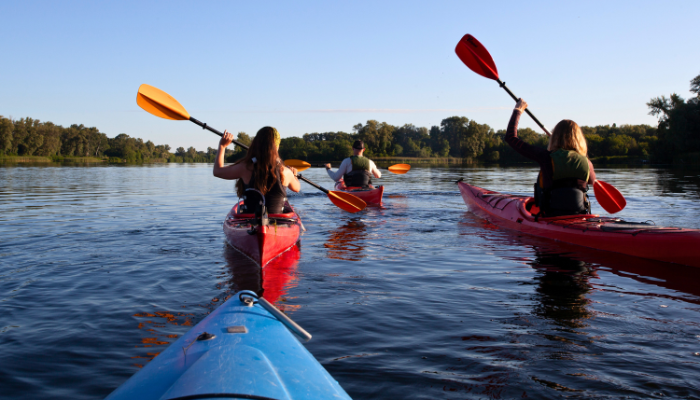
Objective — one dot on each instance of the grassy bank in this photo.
(83, 160)
(48, 160)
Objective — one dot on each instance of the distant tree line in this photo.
(31, 137)
(462, 138)
(678, 133)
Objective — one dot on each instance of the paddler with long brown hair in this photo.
(260, 173)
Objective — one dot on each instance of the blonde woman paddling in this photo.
(565, 170)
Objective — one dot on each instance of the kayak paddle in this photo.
(343, 200)
(609, 197)
(161, 104)
(300, 165)
(475, 56)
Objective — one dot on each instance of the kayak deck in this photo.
(676, 245)
(372, 195)
(251, 356)
(262, 243)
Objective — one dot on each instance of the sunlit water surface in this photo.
(101, 267)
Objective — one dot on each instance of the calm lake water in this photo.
(101, 267)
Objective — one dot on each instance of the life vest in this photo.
(567, 196)
(273, 201)
(359, 176)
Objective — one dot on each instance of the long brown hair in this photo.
(567, 135)
(264, 150)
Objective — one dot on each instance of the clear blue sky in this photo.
(325, 66)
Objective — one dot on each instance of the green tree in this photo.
(6, 128)
(679, 123)
(191, 154)
(376, 136)
(51, 144)
(454, 130)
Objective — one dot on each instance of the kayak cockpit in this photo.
(287, 216)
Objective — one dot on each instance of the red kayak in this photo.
(373, 195)
(676, 245)
(262, 243)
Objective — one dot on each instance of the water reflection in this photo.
(680, 279)
(562, 286)
(242, 273)
(160, 328)
(679, 181)
(279, 277)
(347, 242)
(273, 282)
(551, 256)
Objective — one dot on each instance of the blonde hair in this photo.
(567, 135)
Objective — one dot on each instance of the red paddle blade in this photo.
(475, 56)
(609, 197)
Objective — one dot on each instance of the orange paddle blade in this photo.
(299, 165)
(346, 201)
(160, 104)
(400, 168)
(609, 197)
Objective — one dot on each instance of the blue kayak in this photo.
(242, 350)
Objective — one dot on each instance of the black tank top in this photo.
(274, 199)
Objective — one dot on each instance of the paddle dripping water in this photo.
(417, 299)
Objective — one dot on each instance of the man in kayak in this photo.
(565, 170)
(356, 170)
(260, 173)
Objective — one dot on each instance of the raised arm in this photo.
(228, 172)
(532, 152)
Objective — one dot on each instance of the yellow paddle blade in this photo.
(298, 164)
(400, 168)
(160, 104)
(346, 201)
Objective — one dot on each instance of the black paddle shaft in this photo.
(324, 190)
(207, 127)
(236, 142)
(323, 165)
(503, 85)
